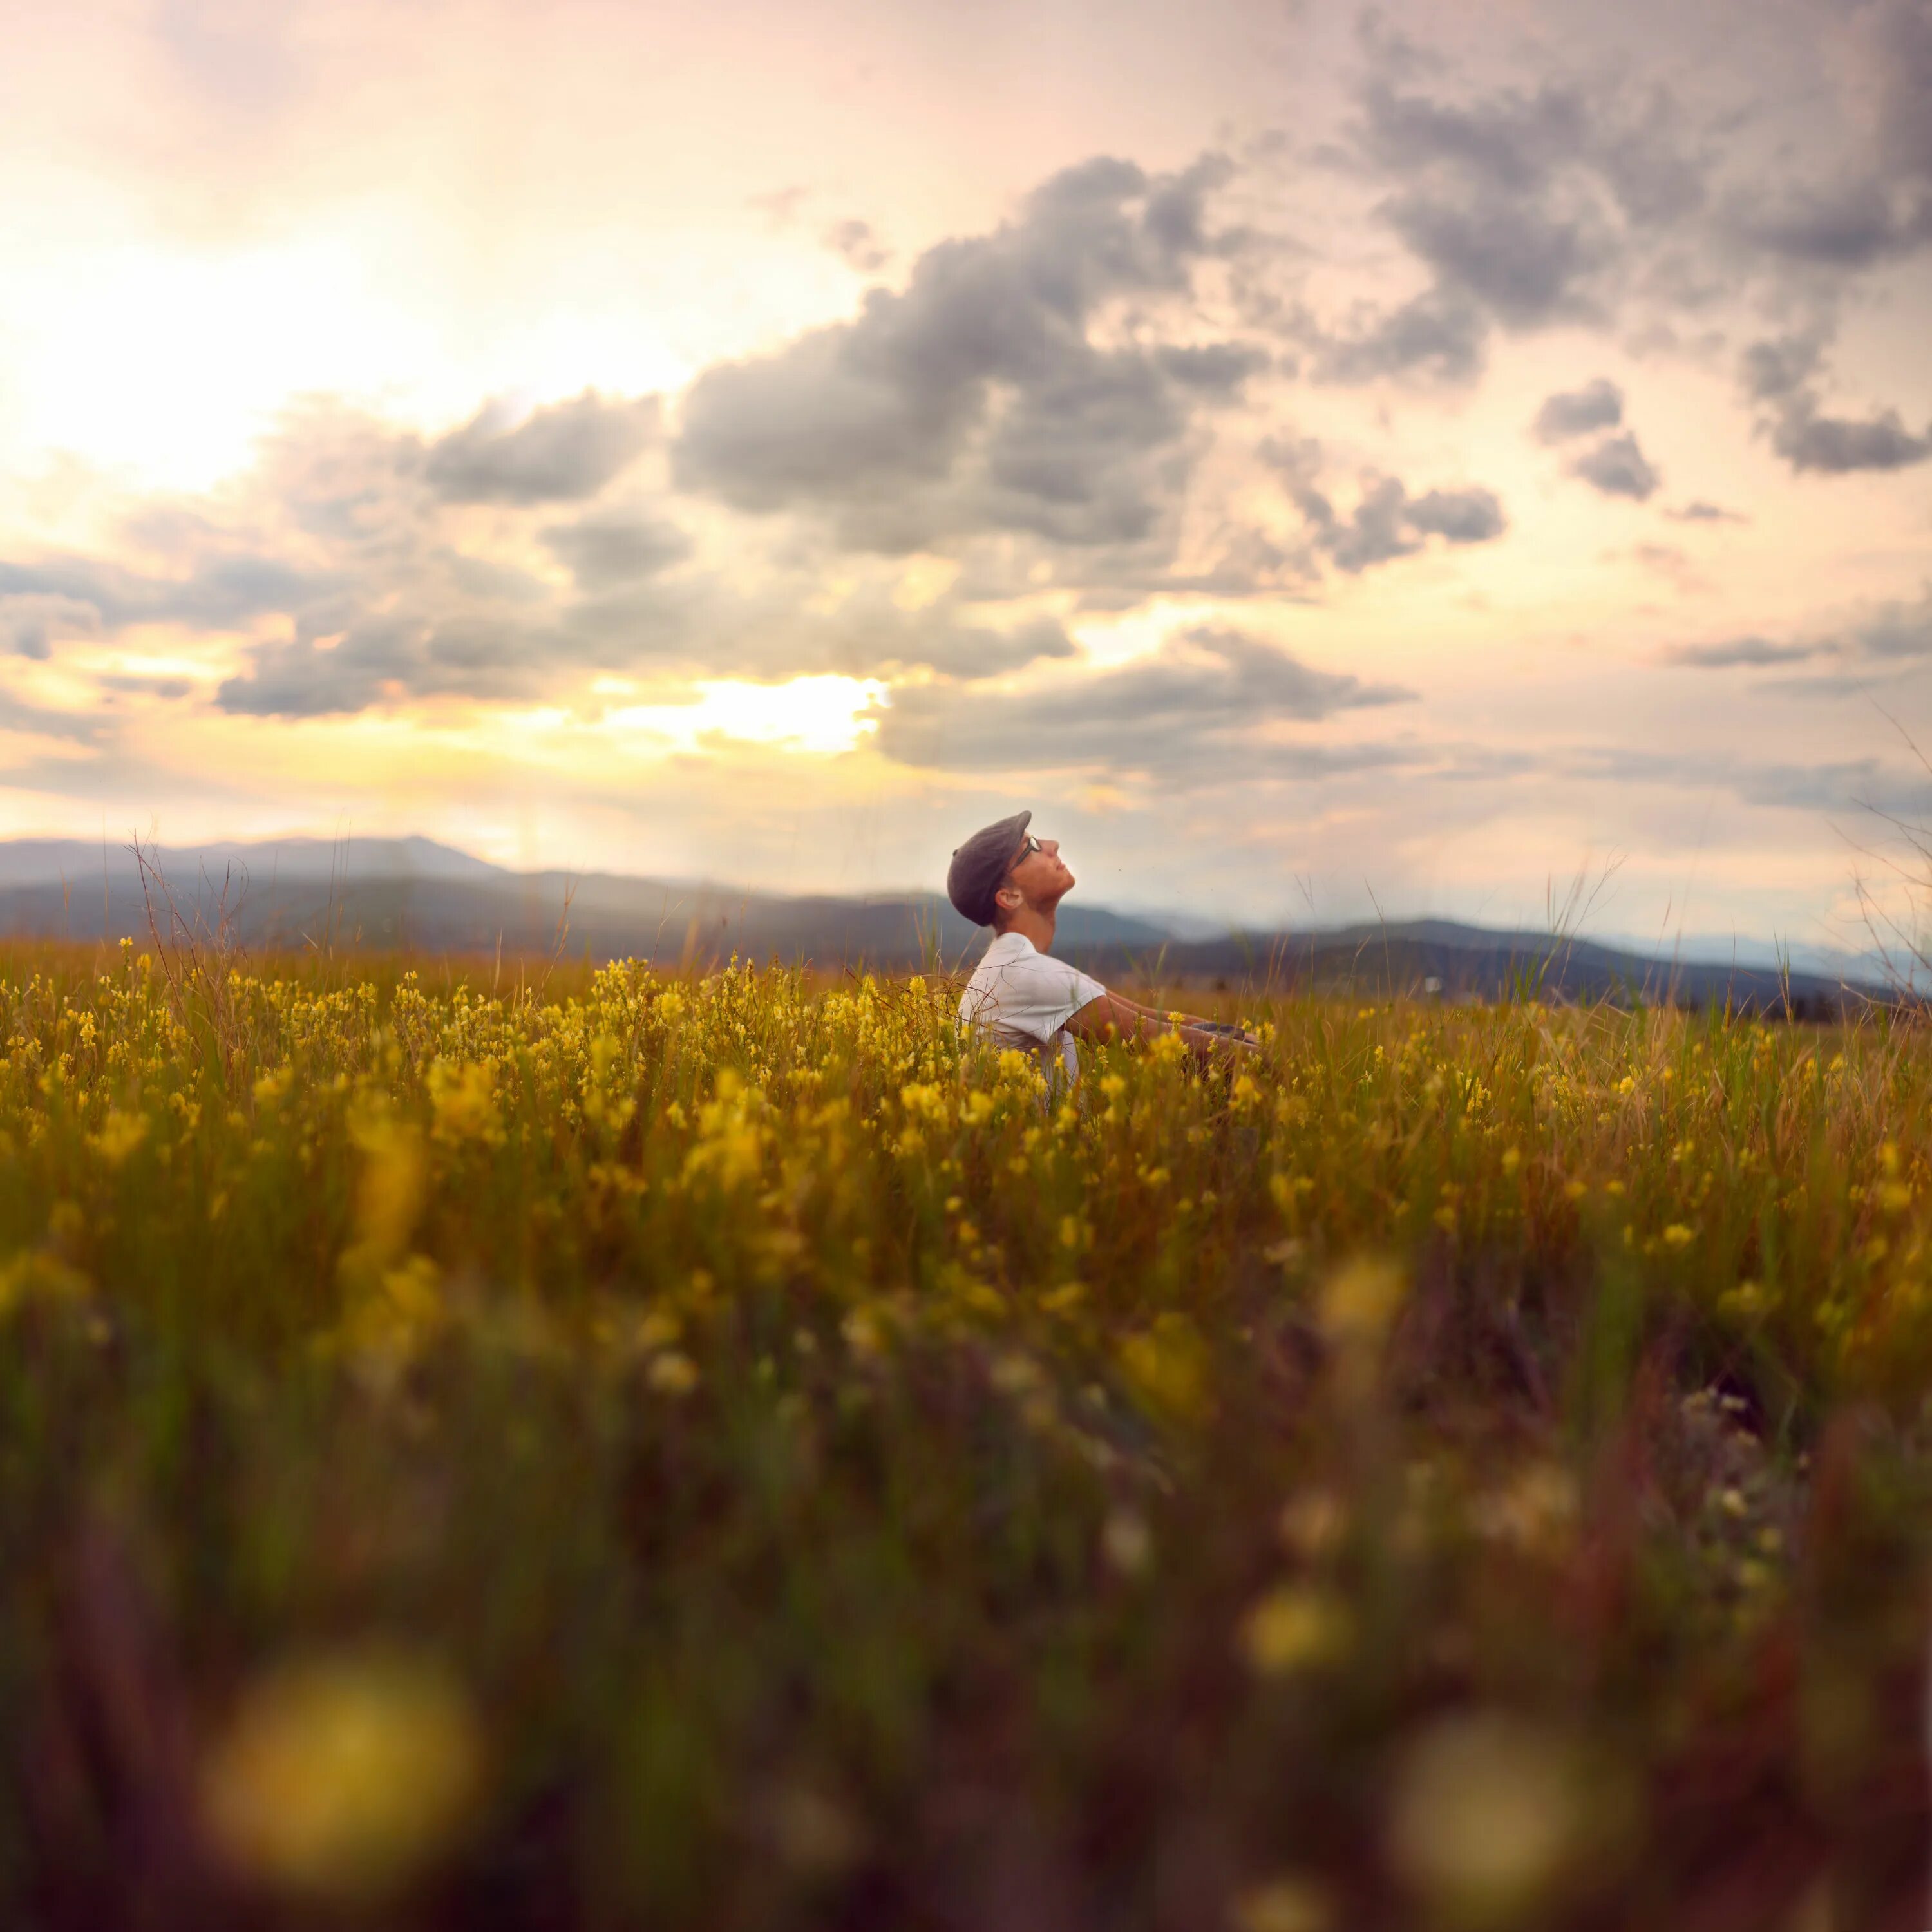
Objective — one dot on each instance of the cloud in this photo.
(780, 206)
(1668, 561)
(1618, 466)
(1520, 146)
(30, 621)
(1386, 522)
(1834, 786)
(1574, 413)
(340, 546)
(144, 685)
(1467, 516)
(976, 399)
(1849, 224)
(1900, 42)
(1524, 206)
(857, 244)
(1036, 398)
(1380, 530)
(1781, 365)
(1199, 712)
(617, 548)
(563, 454)
(1441, 336)
(1732, 652)
(1527, 264)
(1898, 630)
(1874, 204)
(1838, 445)
(81, 596)
(1702, 512)
(386, 608)
(870, 634)
(1886, 633)
(1782, 374)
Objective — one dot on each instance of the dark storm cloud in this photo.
(562, 453)
(1574, 413)
(1386, 522)
(975, 399)
(1618, 466)
(1196, 713)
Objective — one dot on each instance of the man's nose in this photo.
(1051, 845)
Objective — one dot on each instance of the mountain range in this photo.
(415, 895)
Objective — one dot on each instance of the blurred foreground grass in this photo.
(629, 1451)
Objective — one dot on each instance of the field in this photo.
(607, 1449)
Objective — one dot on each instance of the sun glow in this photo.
(825, 714)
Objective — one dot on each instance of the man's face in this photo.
(1040, 874)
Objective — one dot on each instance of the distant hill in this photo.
(414, 894)
(1439, 958)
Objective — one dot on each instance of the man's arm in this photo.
(1111, 1018)
(1157, 1013)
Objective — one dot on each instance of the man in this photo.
(1005, 878)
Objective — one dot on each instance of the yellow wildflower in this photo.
(120, 1133)
(673, 1374)
(342, 1778)
(1295, 1628)
(1284, 1905)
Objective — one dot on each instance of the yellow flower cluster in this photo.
(762, 1126)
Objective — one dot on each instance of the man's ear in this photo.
(1010, 898)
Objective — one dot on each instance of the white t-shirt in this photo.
(1024, 997)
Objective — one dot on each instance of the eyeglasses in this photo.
(1026, 851)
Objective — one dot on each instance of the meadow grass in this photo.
(592, 1448)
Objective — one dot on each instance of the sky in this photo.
(1324, 460)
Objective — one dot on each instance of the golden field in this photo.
(618, 1450)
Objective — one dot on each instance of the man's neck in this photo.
(1031, 923)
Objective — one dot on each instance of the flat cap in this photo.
(978, 866)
